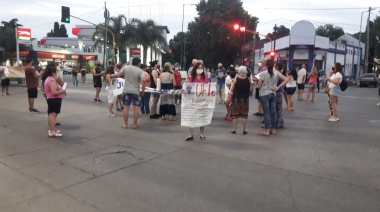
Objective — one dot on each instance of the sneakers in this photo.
(97, 100)
(111, 115)
(100, 101)
(55, 133)
(229, 118)
(33, 110)
(334, 119)
(155, 116)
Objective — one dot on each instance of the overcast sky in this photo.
(40, 15)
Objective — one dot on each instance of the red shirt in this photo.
(177, 77)
(31, 81)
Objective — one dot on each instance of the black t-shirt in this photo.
(98, 70)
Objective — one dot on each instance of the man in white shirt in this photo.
(301, 82)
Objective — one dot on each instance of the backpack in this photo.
(343, 85)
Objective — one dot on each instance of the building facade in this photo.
(303, 46)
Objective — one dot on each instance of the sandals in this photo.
(262, 133)
(189, 138)
(55, 134)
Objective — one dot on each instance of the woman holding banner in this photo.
(198, 75)
(167, 106)
(109, 89)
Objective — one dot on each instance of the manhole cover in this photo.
(114, 158)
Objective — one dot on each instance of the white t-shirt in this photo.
(226, 84)
(291, 83)
(301, 74)
(333, 77)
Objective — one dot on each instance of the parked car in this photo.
(66, 69)
(368, 79)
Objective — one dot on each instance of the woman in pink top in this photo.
(312, 80)
(198, 75)
(54, 95)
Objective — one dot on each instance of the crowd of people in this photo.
(234, 88)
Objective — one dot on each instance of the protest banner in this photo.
(16, 72)
(118, 86)
(198, 104)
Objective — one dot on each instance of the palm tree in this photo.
(8, 36)
(122, 31)
(147, 33)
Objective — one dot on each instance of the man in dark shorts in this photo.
(134, 77)
(97, 73)
(31, 79)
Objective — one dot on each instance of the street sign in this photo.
(24, 34)
(135, 52)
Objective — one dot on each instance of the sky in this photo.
(40, 15)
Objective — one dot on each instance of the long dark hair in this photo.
(50, 69)
(110, 70)
(338, 67)
(194, 72)
(293, 72)
(269, 65)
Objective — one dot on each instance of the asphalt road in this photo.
(311, 165)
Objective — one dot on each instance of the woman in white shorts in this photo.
(109, 89)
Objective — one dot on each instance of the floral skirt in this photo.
(239, 108)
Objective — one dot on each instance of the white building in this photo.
(303, 46)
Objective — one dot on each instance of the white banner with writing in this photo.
(118, 86)
(198, 104)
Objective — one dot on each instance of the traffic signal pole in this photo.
(113, 36)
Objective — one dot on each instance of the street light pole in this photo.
(359, 42)
(183, 17)
(183, 40)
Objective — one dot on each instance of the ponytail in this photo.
(269, 64)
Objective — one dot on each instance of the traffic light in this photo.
(116, 52)
(236, 27)
(272, 54)
(65, 16)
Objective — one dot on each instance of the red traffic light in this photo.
(236, 27)
(272, 53)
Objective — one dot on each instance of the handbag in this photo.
(327, 89)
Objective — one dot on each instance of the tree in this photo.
(147, 33)
(8, 36)
(175, 46)
(123, 32)
(279, 32)
(211, 36)
(329, 30)
(58, 31)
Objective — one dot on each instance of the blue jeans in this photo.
(75, 80)
(268, 103)
(145, 103)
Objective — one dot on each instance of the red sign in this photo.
(24, 34)
(75, 57)
(135, 52)
(75, 30)
(90, 57)
(50, 55)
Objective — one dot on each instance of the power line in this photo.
(55, 21)
(343, 8)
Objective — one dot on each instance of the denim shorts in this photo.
(129, 99)
(335, 91)
(312, 85)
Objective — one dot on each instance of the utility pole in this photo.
(367, 42)
(106, 16)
